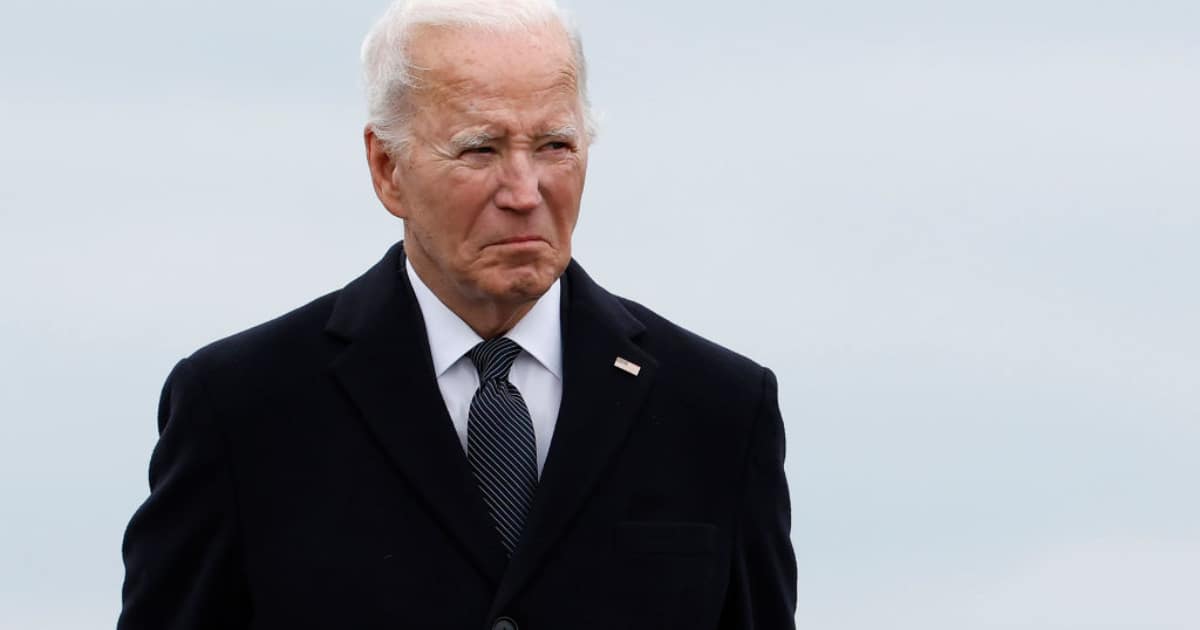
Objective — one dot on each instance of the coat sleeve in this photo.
(762, 584)
(182, 553)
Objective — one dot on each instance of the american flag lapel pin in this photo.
(628, 366)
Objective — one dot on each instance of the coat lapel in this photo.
(387, 371)
(599, 405)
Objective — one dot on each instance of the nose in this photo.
(519, 189)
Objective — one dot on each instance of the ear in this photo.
(383, 174)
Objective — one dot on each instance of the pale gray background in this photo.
(964, 234)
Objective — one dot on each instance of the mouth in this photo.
(517, 240)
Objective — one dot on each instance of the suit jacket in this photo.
(307, 475)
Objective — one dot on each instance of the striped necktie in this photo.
(500, 441)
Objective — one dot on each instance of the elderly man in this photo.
(473, 434)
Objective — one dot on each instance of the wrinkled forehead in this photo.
(468, 60)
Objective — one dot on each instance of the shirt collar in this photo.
(539, 332)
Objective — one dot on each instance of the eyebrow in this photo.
(472, 139)
(476, 138)
(565, 132)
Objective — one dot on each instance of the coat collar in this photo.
(599, 406)
(387, 371)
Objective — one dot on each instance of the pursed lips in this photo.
(515, 240)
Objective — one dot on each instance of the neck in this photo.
(489, 320)
(487, 317)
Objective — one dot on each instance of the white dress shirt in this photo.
(536, 373)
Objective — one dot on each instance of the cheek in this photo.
(462, 203)
(563, 191)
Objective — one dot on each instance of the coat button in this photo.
(504, 623)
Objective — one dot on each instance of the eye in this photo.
(479, 151)
(557, 146)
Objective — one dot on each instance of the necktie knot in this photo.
(494, 358)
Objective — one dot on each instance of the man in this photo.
(473, 434)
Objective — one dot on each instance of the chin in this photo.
(522, 285)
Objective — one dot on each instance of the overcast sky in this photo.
(965, 235)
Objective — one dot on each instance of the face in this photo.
(490, 181)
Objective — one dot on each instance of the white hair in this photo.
(389, 75)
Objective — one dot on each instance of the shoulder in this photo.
(279, 346)
(689, 368)
(242, 375)
(306, 337)
(310, 335)
(700, 370)
(667, 335)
